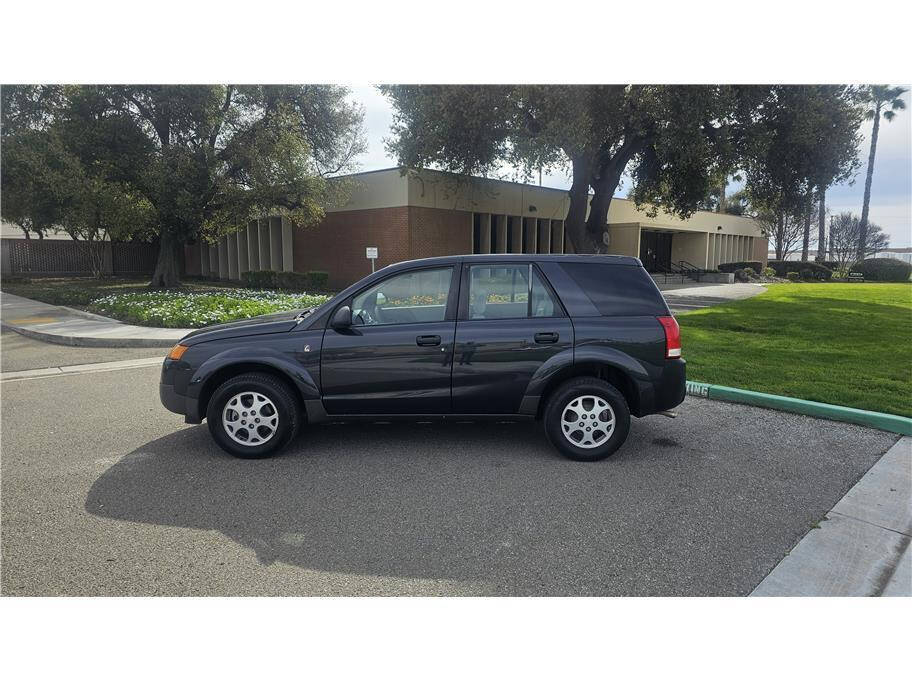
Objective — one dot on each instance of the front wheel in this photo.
(253, 415)
(587, 419)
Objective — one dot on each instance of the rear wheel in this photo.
(253, 415)
(587, 419)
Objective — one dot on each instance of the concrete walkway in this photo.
(694, 296)
(69, 327)
(861, 547)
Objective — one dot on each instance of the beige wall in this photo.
(689, 246)
(625, 240)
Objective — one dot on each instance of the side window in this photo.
(543, 304)
(418, 296)
(498, 292)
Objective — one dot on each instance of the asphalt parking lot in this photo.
(106, 493)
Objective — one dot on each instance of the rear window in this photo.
(617, 289)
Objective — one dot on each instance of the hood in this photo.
(272, 323)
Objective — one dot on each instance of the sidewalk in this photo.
(69, 327)
(682, 298)
(861, 547)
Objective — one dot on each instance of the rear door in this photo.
(395, 358)
(510, 323)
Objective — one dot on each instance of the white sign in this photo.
(372, 252)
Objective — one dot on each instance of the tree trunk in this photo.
(822, 253)
(167, 269)
(780, 235)
(806, 237)
(575, 223)
(866, 202)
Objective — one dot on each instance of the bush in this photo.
(319, 279)
(741, 275)
(769, 272)
(783, 267)
(290, 281)
(259, 279)
(755, 265)
(793, 276)
(883, 269)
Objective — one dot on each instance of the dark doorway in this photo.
(655, 250)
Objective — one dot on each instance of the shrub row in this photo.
(315, 280)
(805, 270)
(754, 265)
(884, 269)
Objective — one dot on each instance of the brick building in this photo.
(430, 213)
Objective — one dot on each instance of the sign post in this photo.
(372, 255)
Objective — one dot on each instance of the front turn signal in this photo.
(177, 352)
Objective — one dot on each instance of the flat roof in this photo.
(400, 170)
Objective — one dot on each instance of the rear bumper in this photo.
(672, 386)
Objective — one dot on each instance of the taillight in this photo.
(672, 336)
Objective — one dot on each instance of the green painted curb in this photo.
(878, 420)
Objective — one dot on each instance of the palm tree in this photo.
(886, 101)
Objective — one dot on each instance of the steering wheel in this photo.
(365, 317)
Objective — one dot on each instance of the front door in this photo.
(655, 250)
(396, 357)
(510, 323)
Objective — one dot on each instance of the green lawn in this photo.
(844, 344)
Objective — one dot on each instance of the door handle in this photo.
(546, 337)
(429, 340)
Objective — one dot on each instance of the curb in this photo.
(877, 420)
(92, 341)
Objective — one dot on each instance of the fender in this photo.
(301, 367)
(588, 353)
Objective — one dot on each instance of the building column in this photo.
(253, 246)
(213, 261)
(243, 256)
(231, 245)
(544, 235)
(275, 243)
(204, 259)
(517, 233)
(557, 236)
(530, 235)
(287, 245)
(484, 233)
(500, 229)
(223, 258)
(263, 235)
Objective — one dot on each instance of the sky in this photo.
(891, 190)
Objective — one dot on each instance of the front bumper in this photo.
(171, 400)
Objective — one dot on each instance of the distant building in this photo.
(430, 213)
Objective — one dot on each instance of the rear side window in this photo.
(617, 289)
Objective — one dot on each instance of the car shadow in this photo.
(467, 501)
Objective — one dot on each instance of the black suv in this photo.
(581, 342)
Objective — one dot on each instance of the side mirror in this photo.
(342, 318)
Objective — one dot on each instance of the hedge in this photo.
(292, 281)
(884, 269)
(806, 270)
(754, 265)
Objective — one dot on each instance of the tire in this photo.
(254, 396)
(591, 439)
